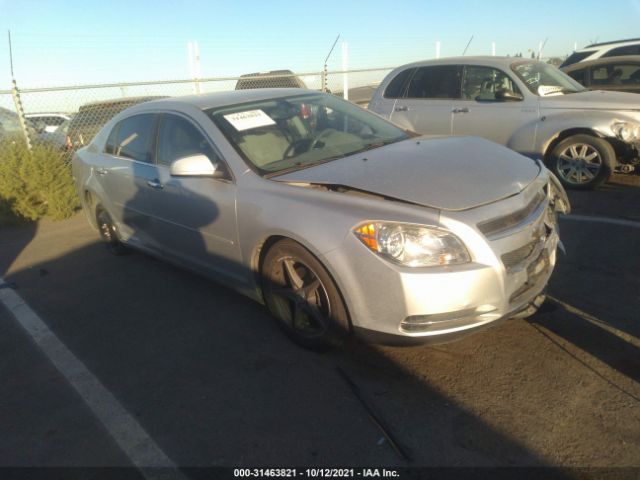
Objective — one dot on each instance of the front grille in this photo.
(501, 224)
(518, 256)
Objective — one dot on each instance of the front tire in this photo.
(582, 162)
(302, 296)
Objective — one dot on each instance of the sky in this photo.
(73, 42)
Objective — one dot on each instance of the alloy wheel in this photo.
(579, 163)
(300, 300)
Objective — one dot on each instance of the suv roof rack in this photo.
(614, 41)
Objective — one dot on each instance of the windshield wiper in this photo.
(301, 166)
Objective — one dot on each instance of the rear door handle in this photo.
(402, 108)
(460, 110)
(101, 171)
(155, 184)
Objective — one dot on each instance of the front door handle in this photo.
(460, 110)
(401, 108)
(155, 184)
(101, 171)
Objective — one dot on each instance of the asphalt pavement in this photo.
(210, 379)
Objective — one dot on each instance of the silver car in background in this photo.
(526, 105)
(333, 217)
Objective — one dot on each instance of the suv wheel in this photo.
(582, 161)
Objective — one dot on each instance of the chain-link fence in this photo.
(69, 117)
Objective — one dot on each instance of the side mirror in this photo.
(508, 96)
(196, 166)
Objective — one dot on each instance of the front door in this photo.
(195, 218)
(484, 113)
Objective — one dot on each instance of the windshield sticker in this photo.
(549, 90)
(250, 119)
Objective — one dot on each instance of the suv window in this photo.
(482, 83)
(621, 51)
(579, 75)
(132, 137)
(615, 74)
(180, 138)
(442, 81)
(396, 87)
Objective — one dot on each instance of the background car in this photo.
(526, 105)
(335, 218)
(272, 79)
(621, 74)
(59, 139)
(91, 117)
(616, 48)
(46, 122)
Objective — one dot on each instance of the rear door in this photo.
(384, 101)
(124, 171)
(428, 101)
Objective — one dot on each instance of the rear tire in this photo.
(302, 296)
(108, 232)
(582, 162)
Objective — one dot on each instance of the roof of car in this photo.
(614, 42)
(231, 97)
(477, 60)
(602, 61)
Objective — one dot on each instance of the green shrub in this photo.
(34, 184)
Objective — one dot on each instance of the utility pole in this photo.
(16, 97)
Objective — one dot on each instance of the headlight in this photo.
(628, 132)
(412, 245)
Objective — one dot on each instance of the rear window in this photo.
(622, 51)
(442, 81)
(131, 138)
(396, 87)
(576, 57)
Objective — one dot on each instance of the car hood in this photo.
(447, 173)
(593, 100)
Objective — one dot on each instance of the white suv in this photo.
(607, 49)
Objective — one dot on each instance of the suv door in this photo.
(195, 217)
(483, 112)
(428, 100)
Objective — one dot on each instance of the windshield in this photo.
(545, 80)
(289, 133)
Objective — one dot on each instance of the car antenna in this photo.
(324, 72)
(468, 43)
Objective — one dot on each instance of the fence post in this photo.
(345, 68)
(20, 111)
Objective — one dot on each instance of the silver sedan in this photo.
(336, 219)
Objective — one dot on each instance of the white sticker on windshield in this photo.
(250, 119)
(549, 90)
